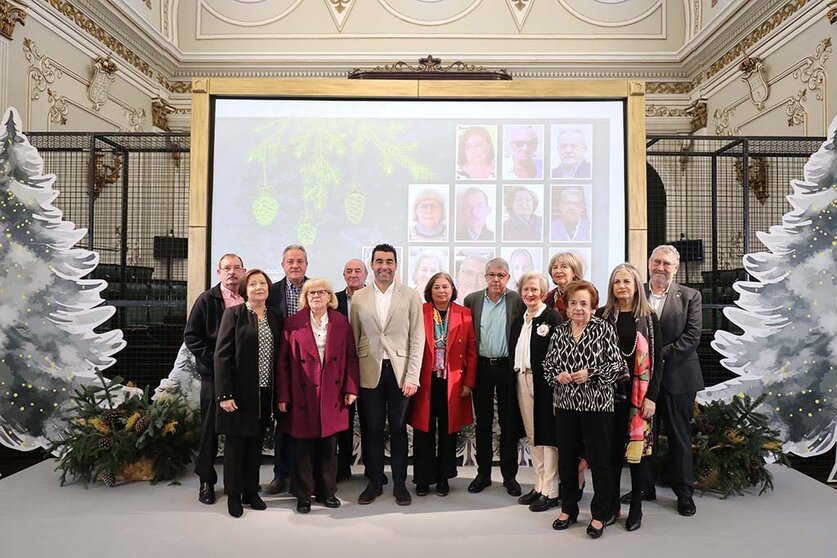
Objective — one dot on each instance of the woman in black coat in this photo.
(528, 342)
(245, 364)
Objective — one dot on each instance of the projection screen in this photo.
(449, 183)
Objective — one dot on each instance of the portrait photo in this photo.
(571, 152)
(523, 152)
(523, 212)
(469, 270)
(571, 209)
(425, 262)
(428, 212)
(521, 260)
(475, 213)
(476, 152)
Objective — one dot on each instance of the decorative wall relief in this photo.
(42, 71)
(520, 11)
(160, 111)
(756, 177)
(136, 119)
(108, 171)
(812, 70)
(795, 110)
(339, 10)
(429, 13)
(59, 108)
(10, 16)
(753, 71)
(102, 77)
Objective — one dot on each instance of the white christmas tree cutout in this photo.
(789, 316)
(47, 311)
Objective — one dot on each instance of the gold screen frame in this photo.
(203, 90)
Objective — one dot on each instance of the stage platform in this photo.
(39, 518)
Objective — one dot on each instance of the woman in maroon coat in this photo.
(317, 381)
(448, 374)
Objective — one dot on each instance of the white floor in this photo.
(40, 518)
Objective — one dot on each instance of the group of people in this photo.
(584, 382)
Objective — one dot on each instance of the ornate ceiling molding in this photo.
(430, 67)
(404, 14)
(520, 11)
(10, 16)
(655, 6)
(831, 16)
(339, 11)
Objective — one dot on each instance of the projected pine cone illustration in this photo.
(354, 204)
(306, 231)
(264, 208)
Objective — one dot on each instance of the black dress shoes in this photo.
(372, 491)
(593, 532)
(480, 483)
(634, 520)
(512, 487)
(528, 498)
(206, 494)
(543, 503)
(686, 506)
(422, 489)
(234, 505)
(254, 501)
(332, 502)
(276, 486)
(442, 487)
(561, 524)
(303, 505)
(402, 495)
(647, 495)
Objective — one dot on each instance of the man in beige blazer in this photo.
(389, 333)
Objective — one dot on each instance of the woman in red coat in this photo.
(448, 375)
(317, 381)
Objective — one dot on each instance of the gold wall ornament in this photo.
(812, 72)
(756, 176)
(106, 174)
(699, 114)
(42, 69)
(669, 87)
(721, 119)
(102, 77)
(10, 16)
(160, 111)
(752, 69)
(520, 11)
(136, 118)
(662, 111)
(831, 15)
(59, 108)
(430, 67)
(339, 10)
(796, 110)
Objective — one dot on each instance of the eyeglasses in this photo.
(428, 206)
(230, 268)
(498, 276)
(523, 143)
(318, 293)
(663, 263)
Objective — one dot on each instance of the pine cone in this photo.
(141, 425)
(105, 442)
(108, 478)
(112, 417)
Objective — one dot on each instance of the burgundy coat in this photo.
(314, 391)
(462, 370)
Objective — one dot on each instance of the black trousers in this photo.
(346, 444)
(675, 411)
(315, 465)
(282, 453)
(491, 379)
(385, 405)
(639, 471)
(243, 454)
(208, 448)
(595, 430)
(432, 462)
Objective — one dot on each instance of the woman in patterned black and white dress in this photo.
(582, 364)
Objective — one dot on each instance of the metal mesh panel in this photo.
(131, 191)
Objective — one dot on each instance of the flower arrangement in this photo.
(731, 445)
(120, 439)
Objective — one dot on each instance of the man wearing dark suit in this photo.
(571, 149)
(679, 311)
(354, 274)
(200, 336)
(388, 327)
(472, 212)
(494, 309)
(284, 301)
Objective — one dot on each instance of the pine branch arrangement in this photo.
(137, 439)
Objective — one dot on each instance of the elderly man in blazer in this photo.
(388, 327)
(679, 311)
(494, 309)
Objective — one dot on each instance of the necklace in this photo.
(632, 351)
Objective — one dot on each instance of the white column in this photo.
(4, 74)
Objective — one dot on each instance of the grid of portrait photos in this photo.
(520, 191)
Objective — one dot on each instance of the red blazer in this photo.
(315, 391)
(462, 370)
